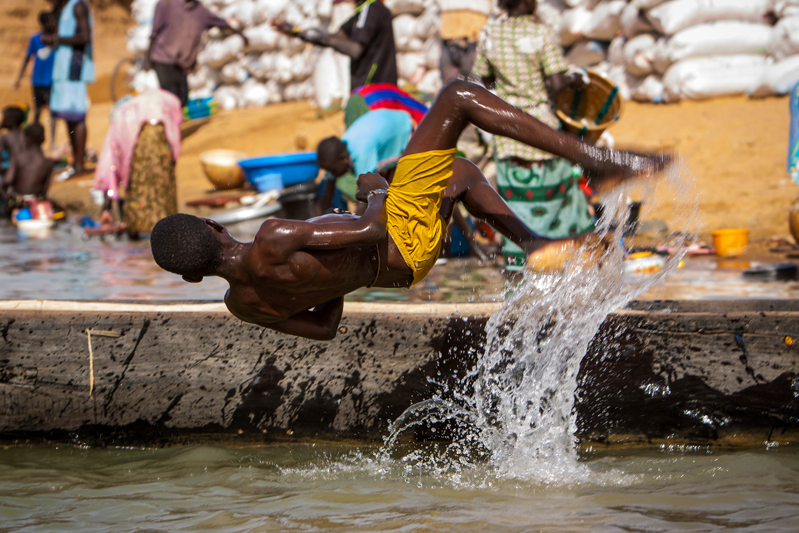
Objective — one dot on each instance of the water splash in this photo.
(513, 414)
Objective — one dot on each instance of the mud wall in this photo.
(721, 372)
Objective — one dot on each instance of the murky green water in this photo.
(305, 487)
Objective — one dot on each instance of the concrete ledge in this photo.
(688, 372)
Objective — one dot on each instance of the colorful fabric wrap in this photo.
(545, 195)
(382, 96)
(412, 208)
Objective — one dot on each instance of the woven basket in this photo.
(599, 104)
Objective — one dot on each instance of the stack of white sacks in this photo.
(654, 50)
(668, 50)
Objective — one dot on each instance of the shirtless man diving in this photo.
(293, 277)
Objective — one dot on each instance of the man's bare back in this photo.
(30, 171)
(293, 276)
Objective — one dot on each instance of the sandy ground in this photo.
(734, 148)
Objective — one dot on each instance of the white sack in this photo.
(144, 80)
(784, 39)
(139, 39)
(572, 24)
(262, 38)
(549, 12)
(326, 79)
(427, 25)
(202, 77)
(718, 38)
(616, 51)
(301, 66)
(283, 68)
(605, 21)
(262, 66)
(777, 78)
(253, 94)
(708, 77)
(651, 89)
(405, 32)
(246, 13)
(227, 97)
(588, 4)
(480, 6)
(785, 8)
(432, 52)
(272, 8)
(400, 7)
(430, 82)
(342, 12)
(275, 91)
(646, 4)
(234, 72)
(625, 82)
(142, 11)
(633, 21)
(217, 53)
(639, 53)
(411, 66)
(586, 53)
(673, 16)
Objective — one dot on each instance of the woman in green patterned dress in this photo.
(519, 57)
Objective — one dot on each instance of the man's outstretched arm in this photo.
(288, 236)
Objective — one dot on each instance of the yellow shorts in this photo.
(413, 205)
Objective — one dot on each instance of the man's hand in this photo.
(575, 81)
(369, 182)
(612, 167)
(284, 27)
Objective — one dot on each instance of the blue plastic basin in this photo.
(276, 171)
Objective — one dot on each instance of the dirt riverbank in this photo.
(734, 147)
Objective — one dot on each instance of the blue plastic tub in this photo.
(276, 171)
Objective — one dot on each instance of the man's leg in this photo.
(461, 103)
(169, 79)
(469, 186)
(77, 136)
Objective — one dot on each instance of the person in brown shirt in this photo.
(178, 26)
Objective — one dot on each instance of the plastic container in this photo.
(276, 171)
(199, 108)
(589, 111)
(730, 242)
(222, 169)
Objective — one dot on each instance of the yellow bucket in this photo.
(730, 242)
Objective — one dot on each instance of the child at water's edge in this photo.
(28, 176)
(42, 74)
(12, 141)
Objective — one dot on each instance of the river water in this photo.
(318, 487)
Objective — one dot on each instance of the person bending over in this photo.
(30, 171)
(293, 277)
(373, 138)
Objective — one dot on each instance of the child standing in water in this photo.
(42, 74)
